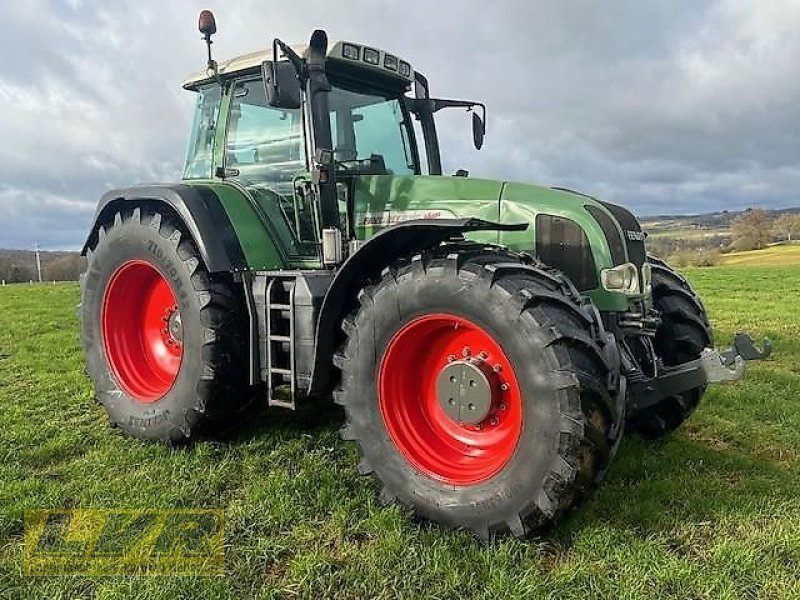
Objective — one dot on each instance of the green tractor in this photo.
(489, 341)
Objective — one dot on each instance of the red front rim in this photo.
(142, 332)
(432, 441)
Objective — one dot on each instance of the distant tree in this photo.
(787, 226)
(751, 230)
(65, 268)
(19, 273)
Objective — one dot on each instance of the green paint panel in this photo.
(258, 247)
(381, 200)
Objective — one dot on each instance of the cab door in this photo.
(265, 153)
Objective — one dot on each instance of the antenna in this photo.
(208, 27)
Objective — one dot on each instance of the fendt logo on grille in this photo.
(635, 236)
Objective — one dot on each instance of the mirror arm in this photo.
(438, 104)
(287, 51)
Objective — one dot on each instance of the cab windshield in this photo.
(370, 133)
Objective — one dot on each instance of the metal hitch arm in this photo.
(711, 367)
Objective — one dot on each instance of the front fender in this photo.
(402, 239)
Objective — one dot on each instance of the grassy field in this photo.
(712, 511)
(685, 234)
(777, 255)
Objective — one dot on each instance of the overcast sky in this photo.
(662, 105)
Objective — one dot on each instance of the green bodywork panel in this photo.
(382, 200)
(257, 244)
(520, 203)
(257, 226)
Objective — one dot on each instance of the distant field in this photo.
(779, 255)
(685, 234)
(711, 512)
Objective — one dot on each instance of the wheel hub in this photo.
(174, 330)
(464, 390)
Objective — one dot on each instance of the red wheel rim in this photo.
(142, 332)
(428, 438)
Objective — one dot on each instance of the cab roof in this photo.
(341, 52)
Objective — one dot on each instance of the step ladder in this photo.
(280, 367)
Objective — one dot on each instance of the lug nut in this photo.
(483, 355)
(504, 386)
(502, 406)
(451, 358)
(494, 421)
(466, 351)
(497, 368)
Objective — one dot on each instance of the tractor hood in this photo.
(382, 200)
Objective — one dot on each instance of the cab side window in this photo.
(265, 144)
(200, 153)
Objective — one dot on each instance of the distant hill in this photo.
(713, 220)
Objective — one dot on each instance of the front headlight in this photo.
(622, 278)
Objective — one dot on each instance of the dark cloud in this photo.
(665, 106)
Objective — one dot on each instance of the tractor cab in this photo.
(257, 127)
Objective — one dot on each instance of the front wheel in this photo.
(479, 391)
(683, 334)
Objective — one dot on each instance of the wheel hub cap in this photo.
(174, 326)
(465, 390)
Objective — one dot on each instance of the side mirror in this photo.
(478, 121)
(421, 88)
(281, 84)
(478, 130)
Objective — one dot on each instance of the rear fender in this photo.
(198, 208)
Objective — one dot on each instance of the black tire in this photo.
(683, 334)
(566, 365)
(210, 393)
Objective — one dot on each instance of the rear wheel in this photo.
(163, 339)
(478, 390)
(683, 334)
